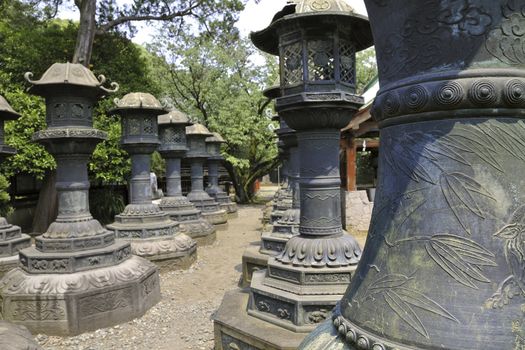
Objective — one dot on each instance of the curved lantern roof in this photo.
(309, 11)
(138, 101)
(198, 129)
(273, 91)
(174, 117)
(215, 138)
(68, 74)
(6, 111)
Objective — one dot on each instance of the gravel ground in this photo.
(183, 318)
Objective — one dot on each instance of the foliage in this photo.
(105, 203)
(213, 80)
(5, 199)
(366, 68)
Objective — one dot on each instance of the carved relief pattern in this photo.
(448, 168)
(320, 60)
(110, 301)
(281, 310)
(32, 311)
(507, 41)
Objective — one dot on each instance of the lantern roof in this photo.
(308, 11)
(139, 101)
(273, 91)
(69, 74)
(6, 111)
(198, 129)
(174, 117)
(215, 138)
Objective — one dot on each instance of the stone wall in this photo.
(358, 210)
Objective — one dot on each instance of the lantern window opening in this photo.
(347, 52)
(291, 58)
(133, 125)
(321, 60)
(148, 126)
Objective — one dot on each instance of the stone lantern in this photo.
(444, 262)
(197, 154)
(275, 236)
(316, 42)
(213, 146)
(152, 233)
(77, 277)
(172, 134)
(11, 238)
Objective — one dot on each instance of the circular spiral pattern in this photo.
(449, 94)
(514, 92)
(416, 97)
(483, 92)
(391, 104)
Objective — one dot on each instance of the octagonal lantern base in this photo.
(252, 260)
(219, 218)
(70, 304)
(175, 252)
(235, 329)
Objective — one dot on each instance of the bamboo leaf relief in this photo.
(462, 193)
(404, 301)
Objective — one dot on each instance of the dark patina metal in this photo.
(11, 238)
(77, 277)
(213, 146)
(152, 233)
(172, 134)
(443, 266)
(196, 135)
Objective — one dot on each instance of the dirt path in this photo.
(182, 320)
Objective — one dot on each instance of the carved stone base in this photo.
(179, 251)
(13, 337)
(252, 260)
(193, 224)
(12, 246)
(231, 209)
(70, 304)
(296, 307)
(235, 330)
(8, 264)
(206, 240)
(217, 217)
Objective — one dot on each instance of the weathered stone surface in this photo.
(358, 210)
(236, 330)
(70, 304)
(14, 337)
(252, 260)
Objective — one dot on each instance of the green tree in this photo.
(213, 80)
(366, 68)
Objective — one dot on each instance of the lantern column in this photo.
(213, 145)
(151, 232)
(173, 147)
(77, 277)
(196, 137)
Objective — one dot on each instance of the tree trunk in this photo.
(86, 31)
(47, 207)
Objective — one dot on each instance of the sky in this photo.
(254, 17)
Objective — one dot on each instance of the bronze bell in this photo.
(444, 262)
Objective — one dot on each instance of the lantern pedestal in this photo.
(151, 232)
(77, 278)
(173, 147)
(197, 155)
(235, 329)
(213, 144)
(12, 240)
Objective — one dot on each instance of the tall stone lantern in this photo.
(444, 263)
(172, 134)
(213, 146)
(152, 233)
(11, 238)
(77, 277)
(197, 154)
(316, 42)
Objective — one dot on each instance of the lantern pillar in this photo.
(172, 134)
(151, 232)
